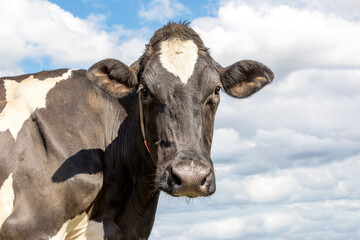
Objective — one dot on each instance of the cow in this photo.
(85, 154)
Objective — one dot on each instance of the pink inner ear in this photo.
(244, 78)
(113, 88)
(245, 89)
(113, 77)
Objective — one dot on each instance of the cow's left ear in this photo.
(113, 77)
(244, 78)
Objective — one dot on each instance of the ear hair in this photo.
(138, 66)
(244, 78)
(113, 77)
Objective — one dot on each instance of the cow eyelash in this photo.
(144, 93)
(217, 90)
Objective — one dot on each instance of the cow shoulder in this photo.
(47, 170)
(23, 95)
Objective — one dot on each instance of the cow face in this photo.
(178, 85)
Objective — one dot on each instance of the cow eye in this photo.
(144, 93)
(217, 90)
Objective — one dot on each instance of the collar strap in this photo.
(142, 123)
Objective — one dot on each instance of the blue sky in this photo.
(127, 12)
(287, 159)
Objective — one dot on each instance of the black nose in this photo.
(191, 179)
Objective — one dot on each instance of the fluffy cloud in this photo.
(299, 203)
(285, 38)
(329, 220)
(287, 159)
(39, 29)
(309, 118)
(162, 10)
(347, 9)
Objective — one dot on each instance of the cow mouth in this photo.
(190, 194)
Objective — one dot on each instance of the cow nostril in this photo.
(175, 179)
(203, 182)
(165, 144)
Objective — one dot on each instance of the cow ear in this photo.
(244, 78)
(113, 77)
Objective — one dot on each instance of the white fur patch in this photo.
(6, 199)
(179, 57)
(80, 228)
(23, 99)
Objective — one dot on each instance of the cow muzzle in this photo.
(189, 178)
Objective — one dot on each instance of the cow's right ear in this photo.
(113, 77)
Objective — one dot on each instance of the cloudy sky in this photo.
(288, 158)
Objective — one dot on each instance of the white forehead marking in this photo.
(23, 99)
(80, 228)
(179, 57)
(6, 199)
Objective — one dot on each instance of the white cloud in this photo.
(309, 118)
(347, 9)
(328, 220)
(310, 101)
(287, 160)
(162, 10)
(309, 202)
(285, 38)
(260, 188)
(227, 143)
(38, 29)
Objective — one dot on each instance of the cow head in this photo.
(179, 85)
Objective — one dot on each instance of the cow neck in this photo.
(142, 127)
